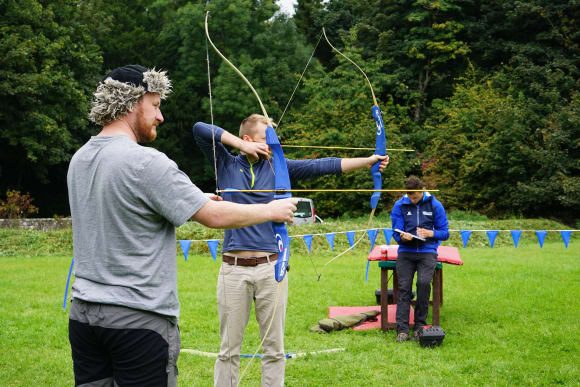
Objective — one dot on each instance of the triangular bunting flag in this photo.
(516, 236)
(330, 239)
(185, 244)
(350, 237)
(541, 236)
(465, 234)
(213, 244)
(566, 237)
(372, 236)
(491, 236)
(388, 235)
(308, 241)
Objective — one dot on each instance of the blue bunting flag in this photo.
(465, 234)
(185, 244)
(491, 236)
(330, 239)
(566, 237)
(213, 244)
(350, 237)
(516, 236)
(541, 236)
(308, 241)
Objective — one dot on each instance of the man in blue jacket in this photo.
(422, 222)
(250, 253)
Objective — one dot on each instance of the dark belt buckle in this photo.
(253, 261)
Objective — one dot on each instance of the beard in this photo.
(146, 129)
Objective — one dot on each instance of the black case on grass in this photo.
(431, 336)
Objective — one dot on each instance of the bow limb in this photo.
(282, 187)
(380, 149)
(234, 67)
(351, 61)
(380, 140)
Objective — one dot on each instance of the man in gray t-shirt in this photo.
(126, 200)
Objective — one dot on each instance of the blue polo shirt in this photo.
(236, 172)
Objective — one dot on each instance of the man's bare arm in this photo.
(352, 164)
(224, 214)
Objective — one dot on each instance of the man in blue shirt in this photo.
(250, 253)
(416, 214)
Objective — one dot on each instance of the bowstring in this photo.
(224, 287)
(350, 247)
(211, 117)
(299, 80)
(288, 104)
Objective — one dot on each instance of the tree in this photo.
(487, 156)
(49, 67)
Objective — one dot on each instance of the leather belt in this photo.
(249, 261)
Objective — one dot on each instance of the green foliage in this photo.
(17, 205)
(49, 67)
(465, 215)
(509, 132)
(486, 155)
(422, 40)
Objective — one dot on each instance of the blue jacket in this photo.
(235, 171)
(428, 213)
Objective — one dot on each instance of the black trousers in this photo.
(407, 264)
(117, 346)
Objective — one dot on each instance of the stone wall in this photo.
(40, 224)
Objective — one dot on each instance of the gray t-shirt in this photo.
(125, 201)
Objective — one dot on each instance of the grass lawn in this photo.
(510, 316)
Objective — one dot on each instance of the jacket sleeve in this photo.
(441, 226)
(306, 169)
(397, 221)
(202, 135)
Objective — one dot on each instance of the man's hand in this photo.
(406, 236)
(216, 198)
(255, 149)
(282, 210)
(384, 161)
(424, 233)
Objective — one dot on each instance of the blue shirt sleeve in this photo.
(307, 169)
(202, 135)
(441, 225)
(397, 221)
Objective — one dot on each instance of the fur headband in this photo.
(122, 88)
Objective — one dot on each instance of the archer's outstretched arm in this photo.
(351, 164)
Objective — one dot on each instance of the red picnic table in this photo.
(387, 259)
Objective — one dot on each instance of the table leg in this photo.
(436, 296)
(384, 299)
(441, 287)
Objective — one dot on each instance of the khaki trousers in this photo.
(236, 288)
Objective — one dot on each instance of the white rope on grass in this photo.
(289, 355)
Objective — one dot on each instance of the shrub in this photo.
(17, 205)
